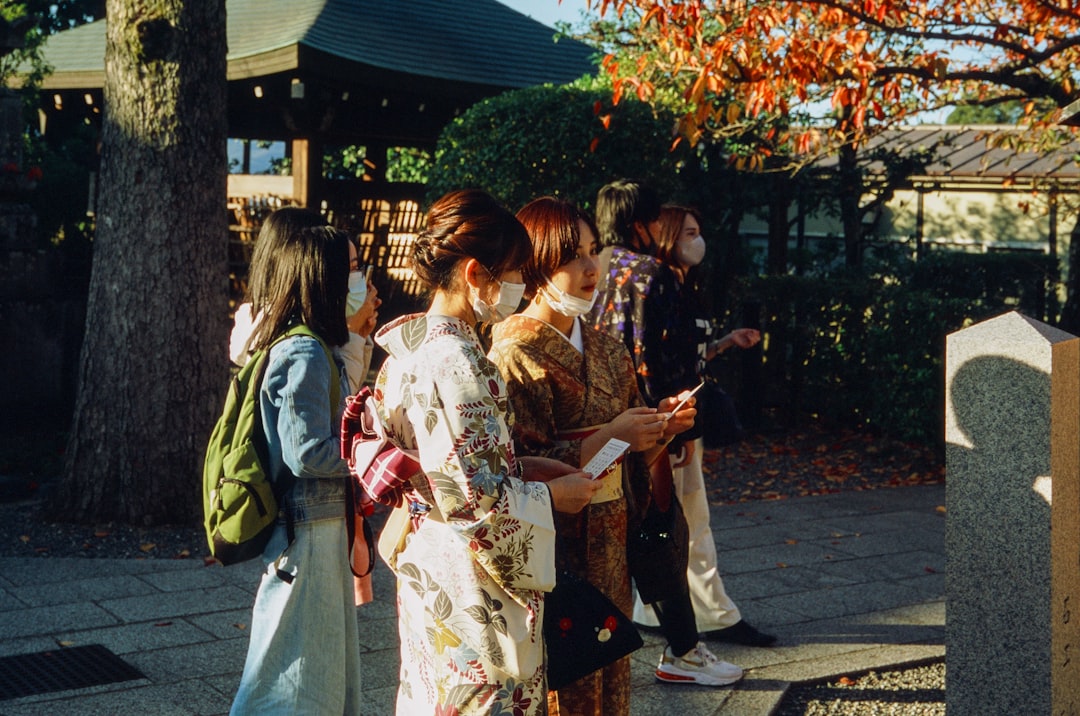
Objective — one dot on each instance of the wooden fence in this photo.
(384, 219)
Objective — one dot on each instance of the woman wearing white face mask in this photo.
(681, 246)
(572, 389)
(479, 554)
(361, 313)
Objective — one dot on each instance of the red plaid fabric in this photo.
(389, 474)
(382, 469)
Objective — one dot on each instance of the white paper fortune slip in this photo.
(608, 454)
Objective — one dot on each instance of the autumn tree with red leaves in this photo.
(798, 79)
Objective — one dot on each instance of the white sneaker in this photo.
(697, 666)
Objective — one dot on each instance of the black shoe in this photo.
(741, 633)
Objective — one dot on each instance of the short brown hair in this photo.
(553, 227)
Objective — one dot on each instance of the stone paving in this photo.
(849, 582)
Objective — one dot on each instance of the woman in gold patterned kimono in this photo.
(475, 558)
(573, 388)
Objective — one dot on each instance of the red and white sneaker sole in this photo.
(694, 678)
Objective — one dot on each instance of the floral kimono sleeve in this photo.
(465, 451)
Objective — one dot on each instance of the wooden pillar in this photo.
(307, 172)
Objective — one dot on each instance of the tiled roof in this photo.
(479, 42)
(960, 154)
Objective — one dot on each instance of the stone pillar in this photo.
(1012, 536)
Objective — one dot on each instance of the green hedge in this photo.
(552, 140)
(869, 351)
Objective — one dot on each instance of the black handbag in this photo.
(718, 417)
(657, 550)
(584, 631)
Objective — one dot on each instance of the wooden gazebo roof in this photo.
(351, 70)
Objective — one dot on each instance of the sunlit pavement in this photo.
(849, 582)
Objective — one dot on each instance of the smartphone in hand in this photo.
(682, 403)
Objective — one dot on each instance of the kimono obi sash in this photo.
(611, 487)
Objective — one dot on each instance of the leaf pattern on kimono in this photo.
(446, 487)
(420, 582)
(510, 564)
(413, 333)
(460, 695)
(443, 606)
(443, 637)
(407, 398)
(511, 699)
(479, 614)
(410, 571)
(485, 472)
(493, 649)
(467, 612)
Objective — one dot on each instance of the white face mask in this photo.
(507, 301)
(692, 253)
(357, 293)
(564, 303)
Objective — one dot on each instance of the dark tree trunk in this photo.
(153, 365)
(779, 225)
(850, 194)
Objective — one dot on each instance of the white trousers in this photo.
(713, 608)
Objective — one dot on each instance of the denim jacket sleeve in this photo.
(302, 432)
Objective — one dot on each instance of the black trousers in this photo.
(677, 622)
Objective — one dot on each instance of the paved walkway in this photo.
(849, 582)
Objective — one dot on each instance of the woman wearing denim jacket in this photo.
(303, 657)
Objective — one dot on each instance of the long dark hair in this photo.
(468, 224)
(299, 274)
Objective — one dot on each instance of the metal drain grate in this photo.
(61, 669)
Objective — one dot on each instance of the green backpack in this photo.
(240, 500)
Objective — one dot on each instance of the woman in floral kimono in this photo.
(573, 388)
(478, 553)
